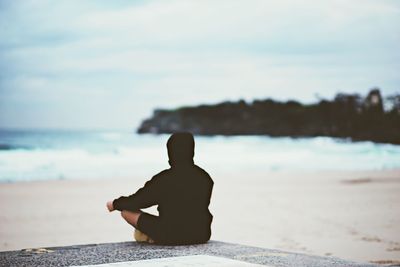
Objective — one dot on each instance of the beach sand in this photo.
(352, 215)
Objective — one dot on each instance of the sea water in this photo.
(58, 154)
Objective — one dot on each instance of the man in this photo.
(182, 194)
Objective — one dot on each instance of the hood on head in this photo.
(180, 148)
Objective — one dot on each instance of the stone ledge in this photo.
(133, 251)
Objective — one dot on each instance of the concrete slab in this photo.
(132, 251)
(181, 261)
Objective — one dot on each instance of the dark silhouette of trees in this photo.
(346, 116)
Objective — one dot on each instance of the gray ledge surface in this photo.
(133, 251)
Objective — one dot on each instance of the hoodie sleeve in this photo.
(145, 197)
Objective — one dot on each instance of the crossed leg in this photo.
(132, 218)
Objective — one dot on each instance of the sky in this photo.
(108, 64)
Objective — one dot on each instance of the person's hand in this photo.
(110, 206)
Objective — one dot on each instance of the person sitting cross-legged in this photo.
(182, 194)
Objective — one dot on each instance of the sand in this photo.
(352, 215)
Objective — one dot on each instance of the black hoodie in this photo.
(181, 192)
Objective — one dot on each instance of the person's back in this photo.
(183, 203)
(182, 194)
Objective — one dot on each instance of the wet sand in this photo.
(352, 215)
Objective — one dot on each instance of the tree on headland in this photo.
(373, 102)
(393, 103)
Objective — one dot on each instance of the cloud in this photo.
(117, 61)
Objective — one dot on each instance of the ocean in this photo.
(27, 155)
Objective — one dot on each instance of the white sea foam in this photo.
(102, 155)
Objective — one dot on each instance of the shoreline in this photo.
(302, 172)
(348, 214)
